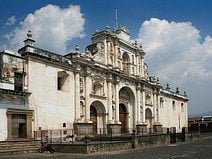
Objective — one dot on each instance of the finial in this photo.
(107, 28)
(177, 90)
(167, 87)
(29, 34)
(96, 31)
(140, 46)
(136, 43)
(77, 49)
(87, 51)
(185, 94)
(29, 41)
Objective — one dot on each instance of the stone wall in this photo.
(97, 147)
(197, 136)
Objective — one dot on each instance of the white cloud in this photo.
(52, 28)
(10, 21)
(174, 52)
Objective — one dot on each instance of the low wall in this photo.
(97, 147)
(197, 136)
(132, 143)
(152, 140)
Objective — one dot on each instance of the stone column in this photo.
(137, 65)
(87, 95)
(142, 66)
(158, 111)
(142, 127)
(115, 128)
(116, 55)
(157, 127)
(108, 53)
(77, 93)
(155, 106)
(143, 105)
(109, 99)
(117, 102)
(138, 104)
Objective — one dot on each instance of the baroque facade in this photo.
(105, 89)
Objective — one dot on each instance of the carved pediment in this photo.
(98, 78)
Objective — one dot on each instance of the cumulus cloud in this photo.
(174, 52)
(52, 27)
(10, 21)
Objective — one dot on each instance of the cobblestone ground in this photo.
(201, 149)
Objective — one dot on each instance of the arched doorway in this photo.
(93, 116)
(97, 116)
(127, 109)
(123, 117)
(148, 113)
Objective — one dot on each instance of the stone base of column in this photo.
(82, 129)
(141, 128)
(157, 128)
(114, 129)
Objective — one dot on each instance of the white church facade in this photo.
(106, 88)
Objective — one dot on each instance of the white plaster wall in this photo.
(170, 117)
(3, 124)
(52, 107)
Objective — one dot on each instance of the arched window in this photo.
(126, 63)
(62, 80)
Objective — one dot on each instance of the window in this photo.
(173, 105)
(18, 81)
(133, 59)
(81, 84)
(133, 70)
(126, 63)
(64, 125)
(62, 77)
(182, 107)
(161, 102)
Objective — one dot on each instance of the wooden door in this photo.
(93, 116)
(123, 117)
(19, 126)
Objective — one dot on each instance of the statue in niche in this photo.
(148, 98)
(98, 85)
(100, 49)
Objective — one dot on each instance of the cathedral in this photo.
(105, 89)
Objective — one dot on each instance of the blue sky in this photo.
(176, 35)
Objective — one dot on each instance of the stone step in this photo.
(18, 147)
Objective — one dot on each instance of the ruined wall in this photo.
(11, 64)
(52, 107)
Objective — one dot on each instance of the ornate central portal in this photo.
(126, 109)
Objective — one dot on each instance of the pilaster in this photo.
(109, 99)
(117, 100)
(87, 94)
(138, 89)
(143, 105)
(77, 93)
